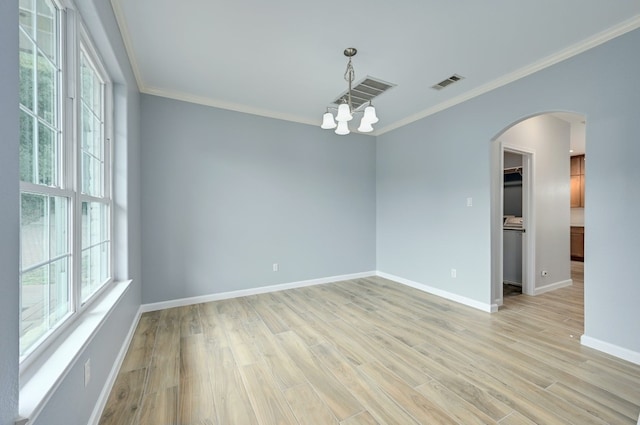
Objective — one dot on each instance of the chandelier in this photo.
(345, 110)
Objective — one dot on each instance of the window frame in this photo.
(73, 38)
(84, 43)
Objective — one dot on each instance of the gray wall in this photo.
(548, 138)
(71, 403)
(428, 168)
(271, 191)
(425, 173)
(9, 211)
(228, 194)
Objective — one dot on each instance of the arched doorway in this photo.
(543, 141)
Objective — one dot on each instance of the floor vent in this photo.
(444, 83)
(363, 92)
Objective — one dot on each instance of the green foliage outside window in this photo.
(38, 154)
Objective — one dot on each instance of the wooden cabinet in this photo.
(577, 191)
(577, 165)
(577, 243)
(577, 181)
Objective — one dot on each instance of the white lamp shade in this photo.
(343, 128)
(344, 114)
(365, 127)
(370, 115)
(328, 122)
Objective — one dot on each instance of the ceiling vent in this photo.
(444, 83)
(364, 92)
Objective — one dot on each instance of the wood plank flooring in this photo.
(371, 351)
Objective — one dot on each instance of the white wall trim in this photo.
(567, 53)
(126, 39)
(490, 308)
(38, 387)
(614, 350)
(230, 106)
(553, 59)
(181, 302)
(113, 374)
(529, 265)
(553, 286)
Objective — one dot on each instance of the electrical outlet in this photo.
(469, 202)
(276, 267)
(454, 273)
(87, 372)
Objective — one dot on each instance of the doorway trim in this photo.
(529, 221)
(528, 215)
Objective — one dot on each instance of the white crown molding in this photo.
(589, 43)
(230, 106)
(126, 39)
(583, 46)
(237, 107)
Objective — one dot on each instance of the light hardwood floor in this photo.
(370, 351)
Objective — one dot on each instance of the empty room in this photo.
(332, 213)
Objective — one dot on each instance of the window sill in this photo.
(39, 380)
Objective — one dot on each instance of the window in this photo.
(94, 165)
(64, 173)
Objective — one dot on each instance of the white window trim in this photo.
(44, 375)
(74, 37)
(85, 43)
(44, 369)
(64, 190)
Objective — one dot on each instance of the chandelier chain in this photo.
(349, 76)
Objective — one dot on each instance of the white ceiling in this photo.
(283, 58)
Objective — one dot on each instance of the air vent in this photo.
(365, 91)
(444, 83)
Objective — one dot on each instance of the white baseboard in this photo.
(252, 291)
(614, 350)
(552, 286)
(490, 308)
(111, 379)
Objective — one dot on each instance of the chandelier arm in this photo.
(334, 108)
